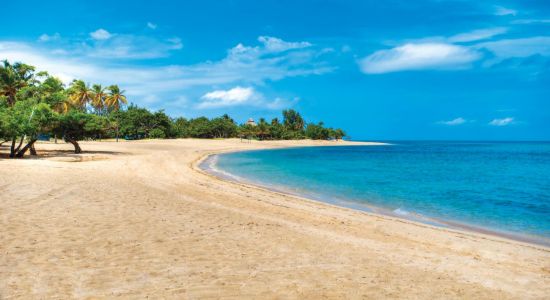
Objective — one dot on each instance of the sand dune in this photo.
(137, 219)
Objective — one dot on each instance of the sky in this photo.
(381, 70)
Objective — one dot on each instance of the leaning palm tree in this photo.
(80, 94)
(114, 100)
(99, 97)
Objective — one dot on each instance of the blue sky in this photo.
(398, 69)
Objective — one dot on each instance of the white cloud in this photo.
(222, 98)
(502, 122)
(503, 11)
(419, 56)
(524, 47)
(175, 43)
(46, 38)
(101, 34)
(239, 96)
(454, 122)
(127, 46)
(152, 25)
(476, 35)
(281, 103)
(273, 44)
(149, 85)
(531, 21)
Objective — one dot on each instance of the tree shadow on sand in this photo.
(65, 155)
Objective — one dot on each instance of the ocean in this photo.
(495, 187)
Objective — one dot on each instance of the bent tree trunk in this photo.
(29, 145)
(33, 150)
(77, 148)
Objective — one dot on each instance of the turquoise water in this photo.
(502, 187)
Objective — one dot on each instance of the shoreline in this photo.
(140, 218)
(435, 223)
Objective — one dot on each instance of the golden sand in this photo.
(139, 219)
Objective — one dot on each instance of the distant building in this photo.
(251, 122)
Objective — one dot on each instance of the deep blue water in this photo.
(502, 187)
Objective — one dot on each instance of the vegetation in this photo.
(35, 105)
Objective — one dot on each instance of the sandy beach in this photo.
(140, 219)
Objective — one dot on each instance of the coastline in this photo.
(205, 165)
(136, 219)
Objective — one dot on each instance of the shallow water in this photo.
(502, 187)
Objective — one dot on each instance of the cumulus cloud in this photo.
(418, 56)
(454, 122)
(476, 35)
(100, 34)
(223, 98)
(239, 96)
(502, 122)
(46, 38)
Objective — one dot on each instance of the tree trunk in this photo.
(12, 149)
(77, 149)
(28, 146)
(20, 144)
(33, 150)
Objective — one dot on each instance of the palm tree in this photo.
(293, 120)
(80, 93)
(114, 100)
(13, 78)
(99, 96)
(262, 130)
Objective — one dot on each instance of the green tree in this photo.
(317, 131)
(180, 128)
(293, 120)
(263, 131)
(22, 122)
(200, 128)
(222, 127)
(76, 125)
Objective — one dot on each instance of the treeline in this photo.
(138, 123)
(38, 105)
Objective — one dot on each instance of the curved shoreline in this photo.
(437, 224)
(147, 221)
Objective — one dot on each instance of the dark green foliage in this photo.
(138, 123)
(157, 133)
(317, 131)
(76, 125)
(293, 120)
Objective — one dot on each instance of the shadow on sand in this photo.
(64, 155)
